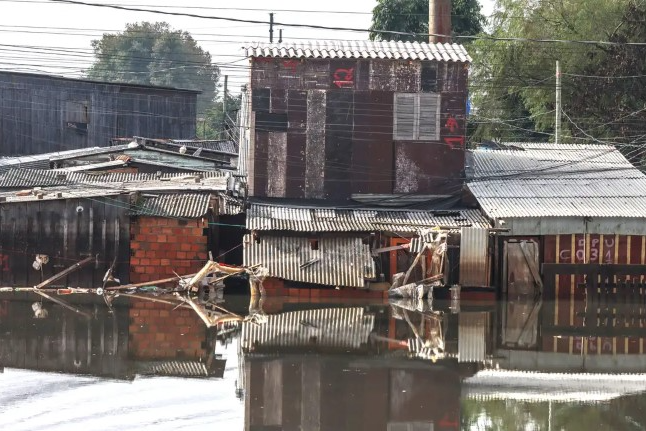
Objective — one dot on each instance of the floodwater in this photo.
(294, 365)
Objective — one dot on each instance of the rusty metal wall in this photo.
(474, 257)
(339, 134)
(67, 231)
(341, 261)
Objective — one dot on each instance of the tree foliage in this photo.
(155, 54)
(603, 89)
(411, 16)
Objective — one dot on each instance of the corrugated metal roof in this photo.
(111, 164)
(548, 180)
(228, 147)
(557, 387)
(187, 205)
(546, 160)
(305, 219)
(27, 178)
(335, 262)
(342, 328)
(359, 49)
(229, 205)
(38, 161)
(180, 368)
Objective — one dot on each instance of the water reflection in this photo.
(405, 365)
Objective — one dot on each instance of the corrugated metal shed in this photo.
(572, 183)
(187, 205)
(330, 219)
(360, 49)
(342, 328)
(474, 257)
(325, 261)
(229, 205)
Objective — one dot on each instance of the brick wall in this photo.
(160, 246)
(158, 332)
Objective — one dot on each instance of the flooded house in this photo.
(45, 113)
(355, 155)
(141, 225)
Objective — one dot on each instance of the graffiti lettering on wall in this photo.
(4, 262)
(596, 251)
(451, 124)
(344, 78)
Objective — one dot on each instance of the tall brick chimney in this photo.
(439, 20)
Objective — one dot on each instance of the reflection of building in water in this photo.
(145, 338)
(350, 368)
(326, 392)
(568, 334)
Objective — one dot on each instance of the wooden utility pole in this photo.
(557, 126)
(271, 27)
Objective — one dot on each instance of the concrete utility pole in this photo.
(271, 28)
(439, 21)
(224, 107)
(557, 126)
(280, 35)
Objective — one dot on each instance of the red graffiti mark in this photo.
(454, 142)
(344, 78)
(4, 308)
(290, 64)
(448, 422)
(451, 124)
(4, 262)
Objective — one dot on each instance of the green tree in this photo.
(215, 124)
(155, 54)
(411, 16)
(513, 80)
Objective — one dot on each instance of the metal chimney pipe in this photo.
(439, 21)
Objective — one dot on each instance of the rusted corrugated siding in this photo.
(347, 328)
(331, 262)
(474, 257)
(473, 328)
(329, 219)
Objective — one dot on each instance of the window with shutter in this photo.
(417, 117)
(429, 117)
(405, 116)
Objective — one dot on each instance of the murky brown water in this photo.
(324, 366)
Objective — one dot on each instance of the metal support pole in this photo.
(557, 126)
(271, 28)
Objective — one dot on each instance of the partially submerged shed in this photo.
(581, 205)
(347, 247)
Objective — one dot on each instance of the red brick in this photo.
(162, 238)
(134, 245)
(155, 246)
(150, 270)
(140, 269)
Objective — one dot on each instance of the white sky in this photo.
(41, 36)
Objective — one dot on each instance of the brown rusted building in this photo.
(356, 120)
